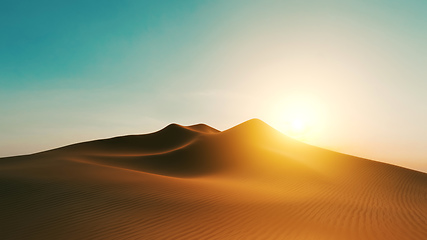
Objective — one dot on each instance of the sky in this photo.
(352, 73)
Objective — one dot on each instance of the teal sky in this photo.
(73, 71)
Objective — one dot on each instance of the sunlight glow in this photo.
(298, 125)
(300, 117)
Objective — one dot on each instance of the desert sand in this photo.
(195, 182)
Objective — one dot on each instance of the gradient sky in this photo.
(72, 71)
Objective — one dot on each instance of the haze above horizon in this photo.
(348, 76)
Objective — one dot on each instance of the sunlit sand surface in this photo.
(195, 182)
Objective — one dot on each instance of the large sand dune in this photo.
(195, 182)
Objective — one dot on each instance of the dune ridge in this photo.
(195, 182)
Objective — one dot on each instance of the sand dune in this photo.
(195, 182)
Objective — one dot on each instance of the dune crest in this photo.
(195, 182)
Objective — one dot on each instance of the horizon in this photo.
(344, 76)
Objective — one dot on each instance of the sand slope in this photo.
(249, 182)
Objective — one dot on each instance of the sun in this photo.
(299, 117)
(298, 122)
(298, 125)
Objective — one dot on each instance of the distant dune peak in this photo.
(253, 124)
(172, 126)
(254, 129)
(201, 128)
